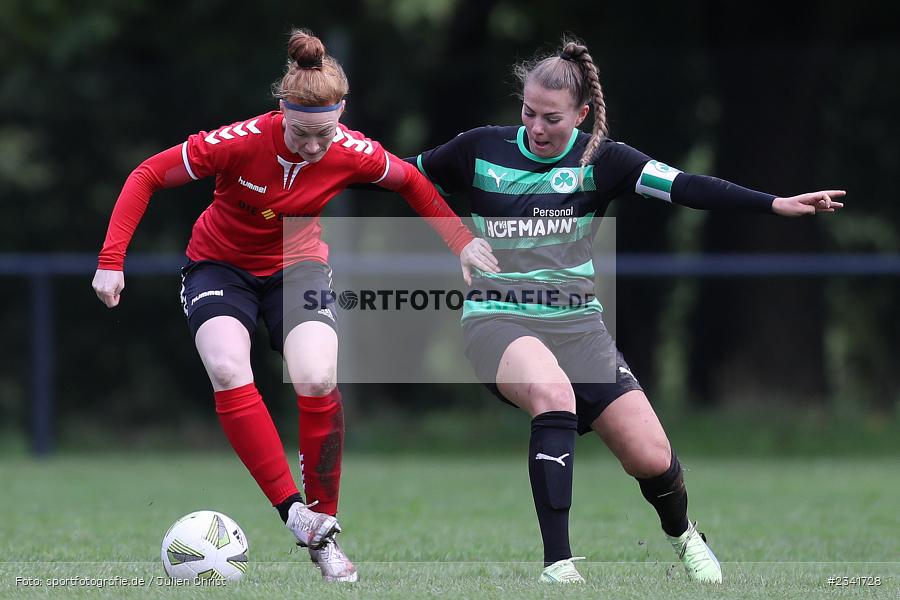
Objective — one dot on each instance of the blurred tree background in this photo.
(787, 98)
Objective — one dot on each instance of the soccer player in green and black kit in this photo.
(534, 332)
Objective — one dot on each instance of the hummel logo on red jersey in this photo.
(228, 133)
(290, 171)
(259, 189)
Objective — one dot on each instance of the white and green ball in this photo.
(205, 545)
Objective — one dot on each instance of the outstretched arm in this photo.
(700, 191)
(422, 196)
(658, 180)
(163, 170)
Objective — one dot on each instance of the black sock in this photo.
(668, 496)
(550, 459)
(285, 506)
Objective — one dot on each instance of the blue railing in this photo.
(40, 269)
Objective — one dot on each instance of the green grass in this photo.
(459, 527)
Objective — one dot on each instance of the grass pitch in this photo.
(432, 527)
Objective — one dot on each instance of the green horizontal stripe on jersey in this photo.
(657, 183)
(496, 308)
(583, 271)
(490, 177)
(563, 231)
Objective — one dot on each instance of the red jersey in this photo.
(259, 183)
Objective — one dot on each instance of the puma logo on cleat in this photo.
(542, 456)
(496, 177)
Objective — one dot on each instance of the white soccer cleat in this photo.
(562, 571)
(312, 529)
(333, 563)
(699, 561)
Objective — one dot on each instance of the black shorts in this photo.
(301, 292)
(583, 356)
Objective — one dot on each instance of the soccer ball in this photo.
(205, 545)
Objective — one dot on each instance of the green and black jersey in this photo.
(538, 217)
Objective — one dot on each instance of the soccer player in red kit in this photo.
(242, 265)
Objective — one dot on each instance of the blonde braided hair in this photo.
(572, 68)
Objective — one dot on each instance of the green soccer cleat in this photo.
(699, 561)
(562, 571)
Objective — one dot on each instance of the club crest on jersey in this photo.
(291, 169)
(564, 181)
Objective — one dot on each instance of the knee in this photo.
(650, 459)
(315, 383)
(226, 372)
(546, 397)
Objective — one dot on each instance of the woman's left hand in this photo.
(808, 204)
(477, 254)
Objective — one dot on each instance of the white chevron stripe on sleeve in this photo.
(227, 133)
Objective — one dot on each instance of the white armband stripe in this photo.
(187, 164)
(655, 180)
(387, 167)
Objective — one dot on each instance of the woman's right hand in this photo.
(108, 286)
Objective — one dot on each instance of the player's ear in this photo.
(582, 114)
(340, 111)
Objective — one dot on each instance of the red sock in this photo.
(253, 436)
(321, 448)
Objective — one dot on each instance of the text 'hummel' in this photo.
(260, 189)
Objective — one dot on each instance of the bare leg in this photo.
(310, 351)
(631, 429)
(224, 347)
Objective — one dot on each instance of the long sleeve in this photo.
(163, 170)
(711, 193)
(658, 180)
